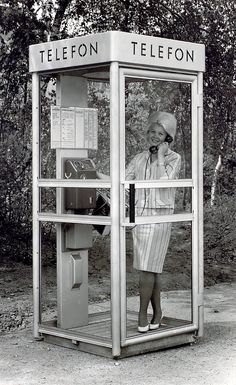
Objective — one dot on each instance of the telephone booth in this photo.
(91, 99)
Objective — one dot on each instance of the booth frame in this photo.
(119, 345)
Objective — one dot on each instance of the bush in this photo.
(219, 229)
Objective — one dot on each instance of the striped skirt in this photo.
(150, 242)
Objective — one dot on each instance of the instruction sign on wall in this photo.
(74, 127)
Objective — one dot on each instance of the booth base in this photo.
(96, 337)
(127, 351)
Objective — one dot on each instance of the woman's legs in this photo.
(156, 299)
(146, 287)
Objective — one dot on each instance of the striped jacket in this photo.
(141, 168)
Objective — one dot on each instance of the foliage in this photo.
(27, 22)
(219, 234)
(98, 97)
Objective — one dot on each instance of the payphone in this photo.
(121, 86)
(80, 199)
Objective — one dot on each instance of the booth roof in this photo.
(114, 46)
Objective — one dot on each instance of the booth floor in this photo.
(99, 326)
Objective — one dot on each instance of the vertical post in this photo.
(200, 206)
(123, 295)
(70, 91)
(195, 203)
(115, 209)
(36, 201)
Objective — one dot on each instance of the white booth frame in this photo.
(119, 341)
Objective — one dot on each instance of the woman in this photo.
(151, 241)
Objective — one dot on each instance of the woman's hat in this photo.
(166, 120)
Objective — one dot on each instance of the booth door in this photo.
(158, 212)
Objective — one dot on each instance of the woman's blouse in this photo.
(141, 168)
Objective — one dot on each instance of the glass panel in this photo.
(173, 285)
(91, 159)
(158, 255)
(87, 201)
(48, 200)
(76, 276)
(177, 199)
(77, 201)
(183, 200)
(48, 273)
(96, 132)
(48, 155)
(99, 97)
(76, 286)
(142, 98)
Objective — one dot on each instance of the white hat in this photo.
(166, 120)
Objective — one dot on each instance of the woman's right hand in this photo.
(162, 150)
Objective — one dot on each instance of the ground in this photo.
(210, 361)
(24, 361)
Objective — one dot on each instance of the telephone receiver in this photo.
(154, 149)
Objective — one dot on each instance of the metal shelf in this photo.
(72, 218)
(82, 183)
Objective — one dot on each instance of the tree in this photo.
(28, 22)
(19, 27)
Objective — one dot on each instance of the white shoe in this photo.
(154, 326)
(143, 329)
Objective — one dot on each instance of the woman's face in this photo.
(156, 135)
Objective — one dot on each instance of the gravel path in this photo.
(211, 361)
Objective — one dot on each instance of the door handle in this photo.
(132, 203)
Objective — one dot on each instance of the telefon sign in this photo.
(116, 46)
(68, 52)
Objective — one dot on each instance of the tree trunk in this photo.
(55, 29)
(214, 182)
